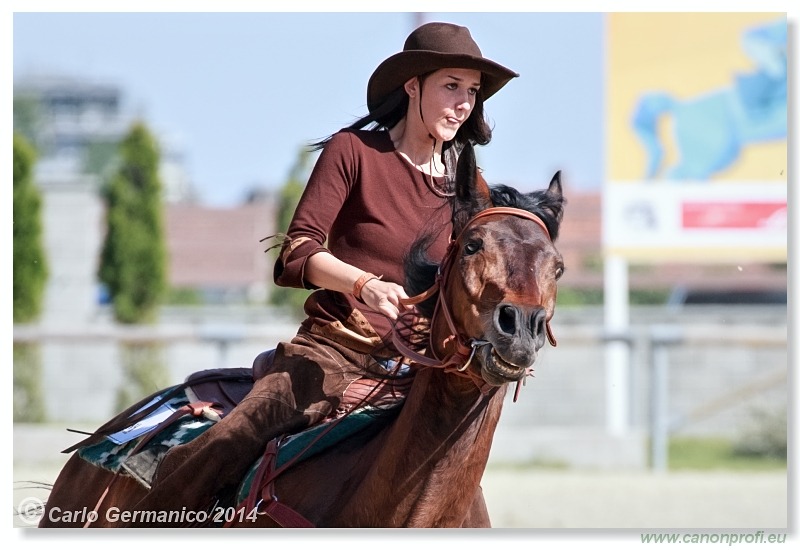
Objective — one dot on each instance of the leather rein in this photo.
(459, 360)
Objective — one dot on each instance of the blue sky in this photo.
(242, 92)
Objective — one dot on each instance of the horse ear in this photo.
(554, 189)
(472, 191)
(553, 203)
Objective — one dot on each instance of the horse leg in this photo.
(478, 514)
(79, 488)
(78, 485)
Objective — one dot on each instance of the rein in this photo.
(459, 360)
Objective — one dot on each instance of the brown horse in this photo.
(489, 305)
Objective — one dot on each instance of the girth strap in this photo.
(264, 477)
(263, 483)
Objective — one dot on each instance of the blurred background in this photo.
(665, 403)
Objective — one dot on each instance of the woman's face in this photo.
(448, 97)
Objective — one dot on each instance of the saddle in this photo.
(188, 409)
(221, 389)
(226, 387)
(135, 441)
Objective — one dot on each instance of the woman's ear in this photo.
(412, 86)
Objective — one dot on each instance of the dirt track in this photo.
(551, 499)
(570, 499)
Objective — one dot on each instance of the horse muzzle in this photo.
(516, 334)
(519, 328)
(496, 370)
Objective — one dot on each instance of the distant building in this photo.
(76, 125)
(217, 253)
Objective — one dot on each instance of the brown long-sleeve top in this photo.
(366, 204)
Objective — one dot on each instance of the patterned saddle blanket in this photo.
(114, 455)
(117, 452)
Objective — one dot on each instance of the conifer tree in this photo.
(29, 276)
(30, 265)
(133, 263)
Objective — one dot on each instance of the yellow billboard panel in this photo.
(696, 106)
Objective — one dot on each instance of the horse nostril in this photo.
(539, 323)
(507, 320)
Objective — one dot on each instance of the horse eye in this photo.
(472, 247)
(559, 272)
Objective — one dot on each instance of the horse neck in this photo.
(437, 449)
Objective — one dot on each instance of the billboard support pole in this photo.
(617, 356)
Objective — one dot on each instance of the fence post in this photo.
(661, 337)
(223, 337)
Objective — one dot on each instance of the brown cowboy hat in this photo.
(431, 47)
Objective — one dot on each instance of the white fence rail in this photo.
(679, 374)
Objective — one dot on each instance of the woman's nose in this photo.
(465, 104)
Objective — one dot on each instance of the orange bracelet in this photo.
(361, 281)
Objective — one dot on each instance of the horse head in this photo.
(500, 275)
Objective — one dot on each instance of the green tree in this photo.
(133, 263)
(99, 157)
(30, 265)
(290, 193)
(28, 391)
(29, 279)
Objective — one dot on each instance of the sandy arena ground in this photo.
(539, 499)
(543, 499)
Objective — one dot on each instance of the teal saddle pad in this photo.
(114, 456)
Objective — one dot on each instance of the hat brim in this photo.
(399, 68)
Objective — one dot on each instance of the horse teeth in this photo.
(503, 362)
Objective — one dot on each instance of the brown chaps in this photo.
(305, 384)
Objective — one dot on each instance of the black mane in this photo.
(548, 207)
(421, 271)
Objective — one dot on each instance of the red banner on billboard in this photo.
(733, 215)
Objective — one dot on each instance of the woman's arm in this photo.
(324, 270)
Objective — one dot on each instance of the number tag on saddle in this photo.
(145, 425)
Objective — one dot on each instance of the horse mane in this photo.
(547, 206)
(421, 270)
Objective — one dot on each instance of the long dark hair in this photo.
(393, 109)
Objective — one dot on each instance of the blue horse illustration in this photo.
(711, 130)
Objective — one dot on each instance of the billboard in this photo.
(696, 137)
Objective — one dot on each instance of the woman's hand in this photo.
(384, 297)
(326, 271)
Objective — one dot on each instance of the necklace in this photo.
(432, 183)
(427, 176)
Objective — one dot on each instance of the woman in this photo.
(370, 195)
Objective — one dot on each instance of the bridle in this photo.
(464, 349)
